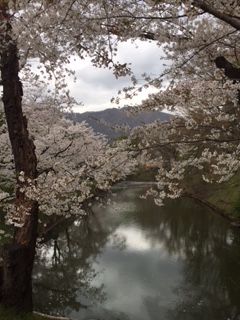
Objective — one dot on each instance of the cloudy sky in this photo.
(95, 87)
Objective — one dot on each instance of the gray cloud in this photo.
(95, 87)
(144, 56)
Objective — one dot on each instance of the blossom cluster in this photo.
(74, 164)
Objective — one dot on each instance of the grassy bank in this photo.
(224, 197)
(227, 197)
(143, 175)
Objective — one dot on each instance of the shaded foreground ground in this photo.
(9, 315)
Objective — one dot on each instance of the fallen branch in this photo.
(46, 316)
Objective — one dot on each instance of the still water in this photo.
(134, 260)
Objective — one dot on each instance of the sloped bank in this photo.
(221, 198)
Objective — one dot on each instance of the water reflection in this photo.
(63, 271)
(133, 260)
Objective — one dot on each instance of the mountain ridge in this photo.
(114, 123)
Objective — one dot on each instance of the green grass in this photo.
(225, 196)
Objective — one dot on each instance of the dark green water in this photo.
(134, 260)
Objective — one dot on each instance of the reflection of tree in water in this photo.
(211, 284)
(208, 250)
(211, 260)
(63, 271)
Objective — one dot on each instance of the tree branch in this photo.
(176, 142)
(231, 72)
(232, 21)
(63, 150)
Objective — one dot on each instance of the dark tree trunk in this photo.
(18, 256)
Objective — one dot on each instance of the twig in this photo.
(50, 317)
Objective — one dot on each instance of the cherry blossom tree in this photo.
(50, 32)
(200, 41)
(75, 166)
(201, 84)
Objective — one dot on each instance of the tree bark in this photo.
(209, 8)
(18, 256)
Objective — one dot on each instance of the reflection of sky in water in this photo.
(136, 272)
(132, 278)
(177, 262)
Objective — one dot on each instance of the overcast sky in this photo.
(95, 87)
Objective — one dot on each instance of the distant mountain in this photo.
(117, 122)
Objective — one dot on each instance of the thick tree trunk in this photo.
(18, 257)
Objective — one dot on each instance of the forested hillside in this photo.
(117, 122)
